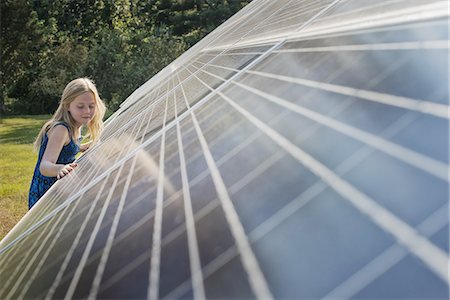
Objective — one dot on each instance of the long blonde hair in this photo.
(72, 90)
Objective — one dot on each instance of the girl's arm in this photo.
(57, 137)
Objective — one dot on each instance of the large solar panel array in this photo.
(301, 151)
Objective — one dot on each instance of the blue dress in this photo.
(40, 183)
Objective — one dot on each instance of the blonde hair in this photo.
(72, 90)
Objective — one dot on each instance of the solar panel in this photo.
(299, 151)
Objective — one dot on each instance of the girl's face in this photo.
(82, 108)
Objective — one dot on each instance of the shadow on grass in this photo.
(21, 129)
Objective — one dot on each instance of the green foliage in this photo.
(118, 43)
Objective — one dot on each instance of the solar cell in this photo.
(299, 151)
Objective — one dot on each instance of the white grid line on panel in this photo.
(28, 260)
(197, 179)
(82, 263)
(194, 256)
(255, 27)
(386, 260)
(277, 37)
(159, 99)
(178, 231)
(250, 263)
(51, 291)
(292, 11)
(419, 45)
(123, 111)
(133, 264)
(174, 196)
(142, 115)
(77, 180)
(128, 142)
(425, 163)
(216, 66)
(123, 119)
(19, 262)
(208, 270)
(422, 106)
(14, 274)
(146, 127)
(131, 121)
(254, 21)
(42, 259)
(119, 238)
(70, 177)
(102, 158)
(112, 232)
(427, 45)
(370, 30)
(369, 84)
(249, 177)
(360, 10)
(432, 256)
(420, 161)
(212, 74)
(7, 261)
(220, 261)
(125, 141)
(122, 116)
(405, 15)
(153, 287)
(270, 26)
(131, 111)
(297, 203)
(139, 122)
(385, 6)
(187, 145)
(138, 261)
(411, 104)
(343, 168)
(231, 54)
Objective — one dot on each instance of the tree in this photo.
(19, 52)
(118, 43)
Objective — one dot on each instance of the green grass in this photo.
(17, 161)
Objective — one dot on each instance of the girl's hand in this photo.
(84, 147)
(66, 170)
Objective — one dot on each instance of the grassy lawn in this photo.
(17, 161)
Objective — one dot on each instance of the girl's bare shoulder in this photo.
(59, 132)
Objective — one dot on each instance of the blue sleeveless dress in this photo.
(40, 183)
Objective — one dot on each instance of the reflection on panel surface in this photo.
(299, 151)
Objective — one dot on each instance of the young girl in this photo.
(59, 139)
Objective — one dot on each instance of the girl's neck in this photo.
(77, 131)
